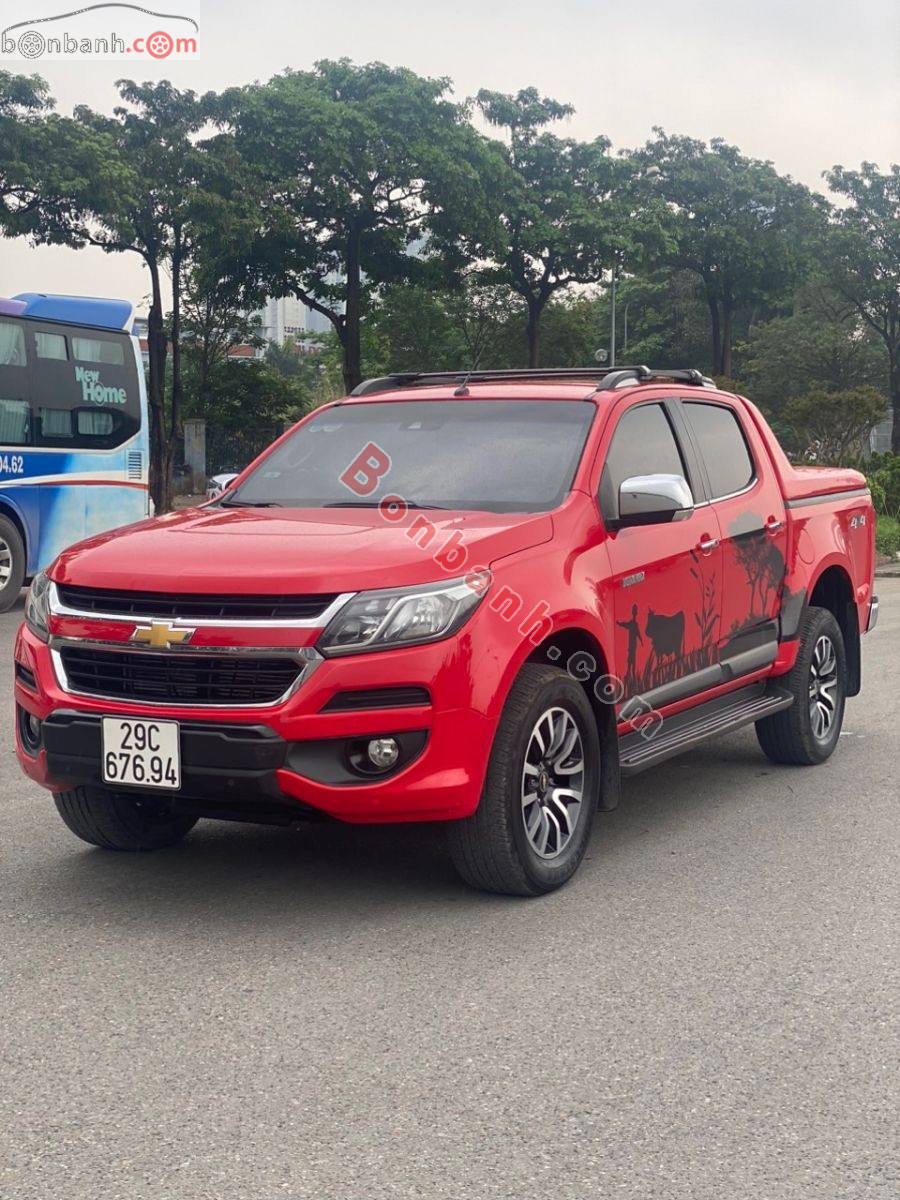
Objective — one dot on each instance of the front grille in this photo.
(178, 678)
(171, 604)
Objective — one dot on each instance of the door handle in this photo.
(774, 524)
(706, 545)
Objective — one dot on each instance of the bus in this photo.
(74, 438)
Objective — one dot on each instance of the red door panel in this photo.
(750, 510)
(667, 585)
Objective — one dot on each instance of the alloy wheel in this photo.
(823, 689)
(5, 563)
(553, 782)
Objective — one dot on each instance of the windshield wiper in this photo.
(250, 504)
(376, 504)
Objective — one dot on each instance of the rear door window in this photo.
(723, 447)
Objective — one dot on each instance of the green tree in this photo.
(820, 346)
(142, 182)
(24, 101)
(863, 253)
(243, 395)
(358, 169)
(742, 228)
(124, 183)
(568, 211)
(832, 427)
(215, 319)
(661, 320)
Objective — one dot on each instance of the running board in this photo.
(686, 729)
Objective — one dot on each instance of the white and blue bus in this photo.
(73, 428)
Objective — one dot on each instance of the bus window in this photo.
(54, 423)
(14, 422)
(98, 350)
(51, 345)
(12, 345)
(94, 423)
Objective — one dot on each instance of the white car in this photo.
(217, 484)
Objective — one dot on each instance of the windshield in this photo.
(487, 455)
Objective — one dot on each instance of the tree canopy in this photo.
(436, 233)
(355, 169)
(742, 228)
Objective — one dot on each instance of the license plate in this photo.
(140, 753)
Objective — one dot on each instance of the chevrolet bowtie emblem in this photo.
(161, 635)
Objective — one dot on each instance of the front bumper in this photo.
(278, 763)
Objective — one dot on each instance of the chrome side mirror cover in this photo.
(654, 500)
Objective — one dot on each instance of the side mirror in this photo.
(654, 500)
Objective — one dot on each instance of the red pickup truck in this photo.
(475, 599)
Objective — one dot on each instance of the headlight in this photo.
(37, 606)
(400, 617)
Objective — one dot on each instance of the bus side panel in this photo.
(89, 496)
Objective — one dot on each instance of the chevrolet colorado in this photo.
(476, 598)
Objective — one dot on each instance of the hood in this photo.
(271, 551)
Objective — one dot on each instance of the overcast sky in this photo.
(805, 83)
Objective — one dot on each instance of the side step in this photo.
(677, 734)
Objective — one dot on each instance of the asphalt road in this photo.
(710, 1010)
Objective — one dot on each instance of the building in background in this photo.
(880, 437)
(288, 319)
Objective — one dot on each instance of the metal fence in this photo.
(232, 450)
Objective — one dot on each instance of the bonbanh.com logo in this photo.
(93, 32)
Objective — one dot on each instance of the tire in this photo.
(116, 821)
(792, 735)
(12, 564)
(493, 849)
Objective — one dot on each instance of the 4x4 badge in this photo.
(161, 635)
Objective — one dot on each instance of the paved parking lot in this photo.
(708, 1011)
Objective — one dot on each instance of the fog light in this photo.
(30, 733)
(383, 752)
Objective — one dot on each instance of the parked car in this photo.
(478, 600)
(217, 484)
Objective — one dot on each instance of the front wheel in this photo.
(533, 824)
(806, 733)
(12, 564)
(117, 821)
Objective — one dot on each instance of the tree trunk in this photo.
(350, 339)
(175, 429)
(727, 337)
(716, 333)
(160, 485)
(532, 329)
(894, 385)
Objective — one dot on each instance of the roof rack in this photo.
(604, 379)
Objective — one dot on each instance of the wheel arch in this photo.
(12, 514)
(833, 590)
(566, 648)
